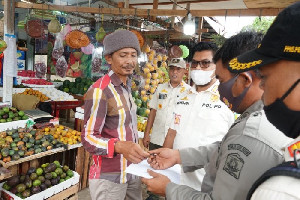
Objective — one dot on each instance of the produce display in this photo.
(46, 94)
(142, 123)
(36, 93)
(37, 82)
(9, 114)
(26, 73)
(64, 134)
(38, 179)
(22, 142)
(80, 86)
(142, 104)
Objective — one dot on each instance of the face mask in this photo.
(283, 118)
(201, 77)
(225, 90)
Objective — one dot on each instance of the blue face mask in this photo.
(225, 90)
(283, 118)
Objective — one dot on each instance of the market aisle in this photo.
(84, 194)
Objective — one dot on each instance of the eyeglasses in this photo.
(201, 63)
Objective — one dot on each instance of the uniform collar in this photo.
(179, 85)
(212, 89)
(116, 81)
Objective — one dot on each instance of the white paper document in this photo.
(173, 173)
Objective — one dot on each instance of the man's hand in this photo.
(164, 158)
(157, 184)
(131, 151)
(146, 140)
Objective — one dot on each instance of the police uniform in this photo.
(200, 118)
(280, 187)
(251, 146)
(163, 102)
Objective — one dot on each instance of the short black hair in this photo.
(202, 46)
(237, 45)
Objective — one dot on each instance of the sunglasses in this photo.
(201, 63)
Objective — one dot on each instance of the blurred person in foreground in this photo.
(251, 145)
(278, 62)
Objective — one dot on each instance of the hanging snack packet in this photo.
(58, 48)
(61, 67)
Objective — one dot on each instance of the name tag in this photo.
(162, 96)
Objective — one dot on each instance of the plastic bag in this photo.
(58, 48)
(67, 29)
(40, 69)
(88, 49)
(61, 67)
(96, 61)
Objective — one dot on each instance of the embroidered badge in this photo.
(235, 64)
(177, 119)
(182, 89)
(240, 148)
(214, 98)
(184, 98)
(233, 165)
(292, 147)
(291, 49)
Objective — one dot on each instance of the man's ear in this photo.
(246, 79)
(108, 58)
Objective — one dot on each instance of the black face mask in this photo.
(283, 118)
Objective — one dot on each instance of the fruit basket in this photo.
(40, 187)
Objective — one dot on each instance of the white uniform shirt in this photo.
(200, 118)
(164, 101)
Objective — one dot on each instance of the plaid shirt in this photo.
(109, 116)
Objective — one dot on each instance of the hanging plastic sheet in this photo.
(10, 61)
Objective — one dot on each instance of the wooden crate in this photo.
(82, 167)
(70, 193)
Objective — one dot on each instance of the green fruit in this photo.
(21, 153)
(58, 171)
(21, 113)
(9, 120)
(25, 117)
(11, 152)
(54, 175)
(70, 173)
(6, 186)
(67, 90)
(63, 175)
(5, 152)
(16, 157)
(26, 193)
(61, 180)
(2, 120)
(36, 182)
(21, 187)
(33, 176)
(57, 163)
(6, 109)
(41, 178)
(48, 176)
(44, 165)
(1, 112)
(39, 171)
(65, 168)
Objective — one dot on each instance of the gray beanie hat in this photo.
(120, 39)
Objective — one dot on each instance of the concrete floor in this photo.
(84, 194)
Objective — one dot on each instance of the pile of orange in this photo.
(36, 93)
(64, 134)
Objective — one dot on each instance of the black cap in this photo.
(281, 42)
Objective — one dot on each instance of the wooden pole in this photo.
(9, 19)
(155, 6)
(200, 26)
(174, 8)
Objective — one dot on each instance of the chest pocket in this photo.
(113, 109)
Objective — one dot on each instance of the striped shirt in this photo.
(109, 116)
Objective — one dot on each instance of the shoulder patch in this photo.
(182, 89)
(214, 98)
(102, 82)
(233, 165)
(293, 147)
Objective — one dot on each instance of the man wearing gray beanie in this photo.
(110, 123)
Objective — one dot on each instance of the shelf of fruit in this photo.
(46, 94)
(11, 117)
(79, 87)
(24, 144)
(37, 83)
(39, 183)
(65, 135)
